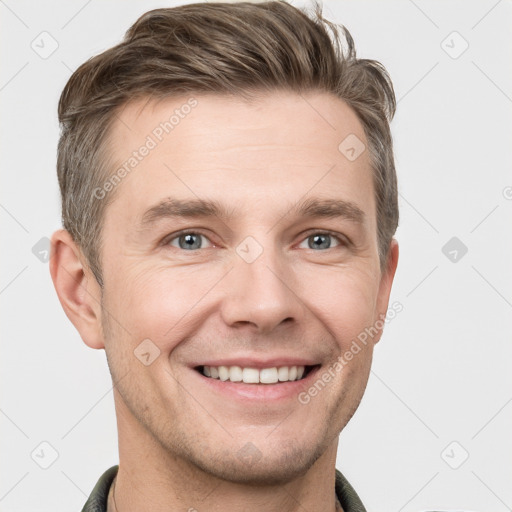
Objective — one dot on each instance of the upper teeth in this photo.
(254, 375)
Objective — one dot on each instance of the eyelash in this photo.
(343, 242)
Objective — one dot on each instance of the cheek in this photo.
(148, 315)
(159, 303)
(344, 300)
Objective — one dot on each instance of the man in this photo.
(229, 202)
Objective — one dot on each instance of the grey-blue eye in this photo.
(192, 241)
(321, 241)
(188, 241)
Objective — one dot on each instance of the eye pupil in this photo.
(321, 241)
(191, 241)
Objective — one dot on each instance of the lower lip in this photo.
(259, 392)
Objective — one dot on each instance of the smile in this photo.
(271, 375)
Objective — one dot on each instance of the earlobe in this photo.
(77, 289)
(385, 285)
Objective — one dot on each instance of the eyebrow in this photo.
(198, 208)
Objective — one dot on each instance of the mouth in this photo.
(250, 375)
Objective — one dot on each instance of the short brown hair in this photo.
(225, 48)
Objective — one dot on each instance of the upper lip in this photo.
(258, 362)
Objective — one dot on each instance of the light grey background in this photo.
(440, 389)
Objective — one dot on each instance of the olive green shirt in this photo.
(97, 501)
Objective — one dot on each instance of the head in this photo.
(256, 129)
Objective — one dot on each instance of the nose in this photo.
(261, 294)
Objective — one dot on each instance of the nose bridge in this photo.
(260, 286)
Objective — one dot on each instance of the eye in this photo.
(188, 241)
(322, 240)
(193, 240)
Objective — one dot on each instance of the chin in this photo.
(250, 466)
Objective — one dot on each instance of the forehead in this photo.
(274, 150)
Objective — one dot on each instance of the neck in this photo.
(150, 478)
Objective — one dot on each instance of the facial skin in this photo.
(181, 438)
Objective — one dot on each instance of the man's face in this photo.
(261, 284)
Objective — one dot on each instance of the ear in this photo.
(386, 282)
(78, 291)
